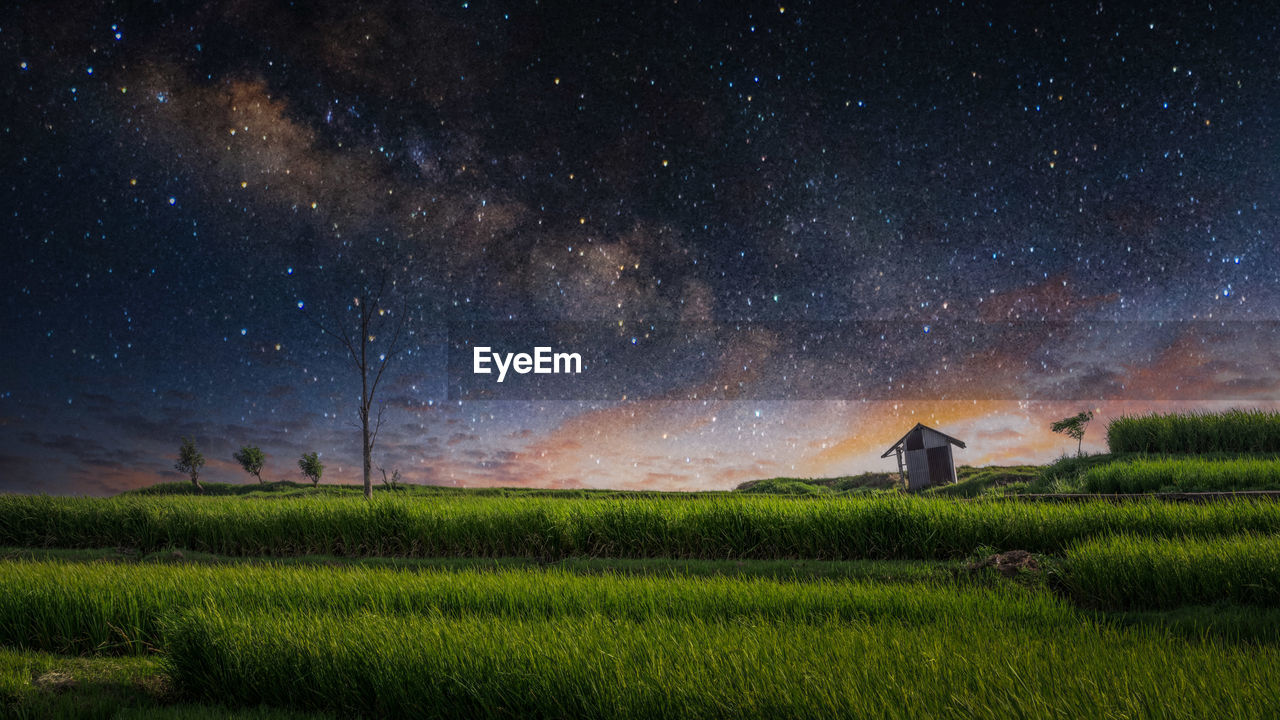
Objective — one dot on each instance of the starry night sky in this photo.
(779, 235)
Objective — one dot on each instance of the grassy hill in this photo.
(1107, 473)
(970, 482)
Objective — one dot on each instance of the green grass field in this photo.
(845, 600)
(122, 608)
(600, 666)
(723, 527)
(1139, 609)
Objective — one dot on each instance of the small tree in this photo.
(251, 459)
(1074, 427)
(190, 461)
(311, 467)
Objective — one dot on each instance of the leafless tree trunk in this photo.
(373, 316)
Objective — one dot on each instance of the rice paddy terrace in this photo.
(282, 604)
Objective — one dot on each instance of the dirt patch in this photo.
(157, 686)
(1008, 563)
(58, 682)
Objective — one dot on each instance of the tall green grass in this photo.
(1235, 431)
(594, 667)
(891, 571)
(1230, 623)
(735, 526)
(1126, 572)
(40, 686)
(1065, 473)
(1183, 474)
(107, 607)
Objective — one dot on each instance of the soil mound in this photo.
(1008, 563)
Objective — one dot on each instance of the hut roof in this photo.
(919, 426)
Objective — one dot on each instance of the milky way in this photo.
(778, 235)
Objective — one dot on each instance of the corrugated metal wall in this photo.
(929, 460)
(917, 469)
(933, 439)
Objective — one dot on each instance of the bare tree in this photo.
(371, 318)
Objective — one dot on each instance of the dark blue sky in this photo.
(729, 203)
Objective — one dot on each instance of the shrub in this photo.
(786, 486)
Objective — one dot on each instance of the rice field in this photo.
(550, 642)
(1234, 431)
(121, 608)
(1184, 475)
(597, 666)
(607, 605)
(1126, 572)
(728, 527)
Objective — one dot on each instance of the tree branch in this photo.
(393, 350)
(377, 425)
(341, 337)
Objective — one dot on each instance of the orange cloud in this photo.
(1207, 361)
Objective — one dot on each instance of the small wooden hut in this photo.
(928, 457)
